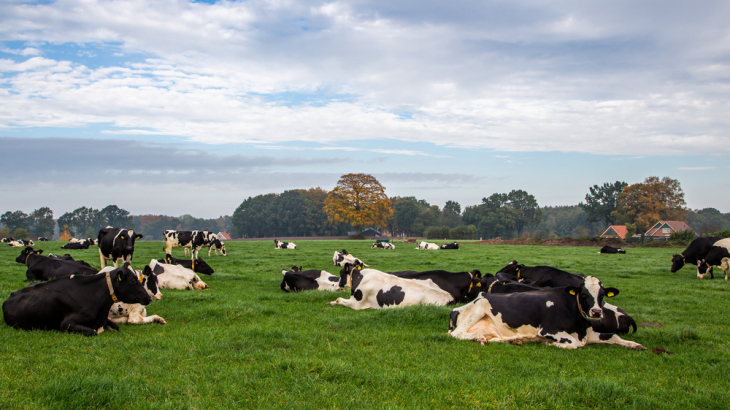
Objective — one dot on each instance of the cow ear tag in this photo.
(610, 294)
(359, 268)
(572, 292)
(37, 252)
(479, 284)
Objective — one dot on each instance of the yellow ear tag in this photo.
(122, 237)
(38, 252)
(141, 279)
(610, 294)
(119, 278)
(572, 292)
(359, 268)
(479, 284)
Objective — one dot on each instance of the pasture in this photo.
(246, 344)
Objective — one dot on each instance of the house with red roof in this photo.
(615, 231)
(663, 229)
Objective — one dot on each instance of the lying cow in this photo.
(462, 286)
(197, 265)
(42, 239)
(373, 289)
(296, 280)
(563, 317)
(696, 250)
(541, 276)
(428, 246)
(19, 243)
(176, 277)
(719, 255)
(383, 245)
(135, 313)
(284, 245)
(611, 249)
(77, 245)
(42, 268)
(342, 258)
(116, 244)
(453, 245)
(77, 304)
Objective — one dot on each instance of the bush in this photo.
(682, 237)
(724, 234)
(464, 232)
(21, 233)
(438, 232)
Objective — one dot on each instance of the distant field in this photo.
(246, 344)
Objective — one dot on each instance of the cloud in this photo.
(694, 168)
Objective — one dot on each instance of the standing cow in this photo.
(116, 244)
(193, 240)
(696, 250)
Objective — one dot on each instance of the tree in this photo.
(116, 217)
(451, 214)
(528, 212)
(708, 220)
(256, 217)
(643, 204)
(360, 200)
(15, 220)
(41, 222)
(82, 221)
(601, 201)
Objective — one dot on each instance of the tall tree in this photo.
(405, 213)
(116, 217)
(602, 200)
(41, 222)
(451, 214)
(256, 217)
(82, 221)
(644, 204)
(15, 220)
(527, 211)
(360, 200)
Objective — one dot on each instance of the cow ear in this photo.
(138, 236)
(572, 290)
(610, 292)
(38, 252)
(147, 271)
(477, 273)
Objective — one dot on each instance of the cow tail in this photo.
(633, 324)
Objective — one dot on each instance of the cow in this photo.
(562, 317)
(383, 245)
(696, 250)
(7, 240)
(216, 245)
(43, 268)
(373, 289)
(453, 245)
(611, 249)
(719, 255)
(462, 286)
(116, 244)
(192, 240)
(284, 245)
(19, 243)
(541, 276)
(77, 245)
(76, 304)
(428, 246)
(135, 313)
(69, 258)
(197, 265)
(176, 277)
(42, 239)
(341, 258)
(297, 280)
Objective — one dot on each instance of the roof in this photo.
(618, 230)
(674, 226)
(224, 235)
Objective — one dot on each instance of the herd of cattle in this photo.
(516, 304)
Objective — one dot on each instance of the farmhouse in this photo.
(615, 231)
(662, 229)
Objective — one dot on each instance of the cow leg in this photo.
(185, 251)
(352, 303)
(216, 252)
(111, 325)
(611, 338)
(103, 259)
(138, 316)
(68, 326)
(562, 340)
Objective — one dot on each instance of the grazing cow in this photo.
(192, 240)
(719, 255)
(450, 246)
(77, 245)
(42, 268)
(462, 286)
(135, 313)
(562, 317)
(296, 280)
(78, 304)
(542, 276)
(428, 246)
(42, 239)
(197, 265)
(696, 250)
(341, 258)
(284, 245)
(176, 277)
(116, 244)
(216, 245)
(373, 289)
(383, 245)
(611, 249)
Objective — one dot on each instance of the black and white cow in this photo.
(284, 245)
(562, 317)
(176, 277)
(197, 265)
(7, 240)
(42, 268)
(611, 249)
(383, 245)
(19, 243)
(696, 250)
(296, 280)
(373, 289)
(83, 244)
(341, 258)
(719, 255)
(193, 240)
(116, 244)
(427, 246)
(42, 239)
(462, 286)
(541, 276)
(453, 245)
(215, 244)
(135, 313)
(78, 304)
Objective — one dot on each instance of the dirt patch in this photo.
(661, 350)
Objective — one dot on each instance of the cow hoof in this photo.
(516, 342)
(639, 347)
(161, 321)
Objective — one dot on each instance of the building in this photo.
(615, 231)
(223, 236)
(663, 229)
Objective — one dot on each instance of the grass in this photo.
(246, 344)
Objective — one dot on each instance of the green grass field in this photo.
(246, 344)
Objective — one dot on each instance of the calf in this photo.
(284, 245)
(611, 249)
(176, 277)
(42, 268)
(450, 246)
(193, 240)
(135, 313)
(197, 265)
(696, 250)
(383, 245)
(342, 258)
(562, 317)
(296, 280)
(373, 289)
(719, 255)
(427, 245)
(116, 244)
(78, 304)
(542, 276)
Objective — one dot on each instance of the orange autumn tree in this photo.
(655, 199)
(360, 200)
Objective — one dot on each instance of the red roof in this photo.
(619, 229)
(674, 226)
(224, 235)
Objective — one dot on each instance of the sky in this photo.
(182, 107)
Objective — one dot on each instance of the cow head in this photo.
(375, 245)
(296, 268)
(197, 283)
(677, 263)
(276, 242)
(25, 253)
(348, 273)
(128, 287)
(703, 268)
(125, 240)
(150, 283)
(200, 266)
(590, 297)
(475, 286)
